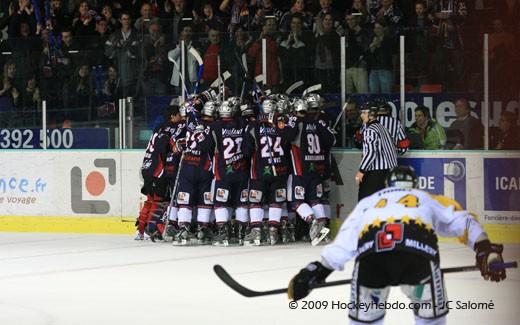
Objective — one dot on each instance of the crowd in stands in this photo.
(81, 56)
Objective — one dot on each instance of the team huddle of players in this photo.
(235, 172)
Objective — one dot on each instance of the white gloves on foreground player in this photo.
(301, 283)
(489, 253)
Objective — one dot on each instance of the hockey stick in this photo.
(294, 86)
(197, 57)
(233, 284)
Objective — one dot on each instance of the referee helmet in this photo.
(403, 177)
(371, 108)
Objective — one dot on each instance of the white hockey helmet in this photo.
(227, 109)
(313, 100)
(300, 106)
(269, 106)
(210, 107)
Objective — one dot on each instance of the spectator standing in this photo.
(78, 95)
(469, 127)
(237, 47)
(122, 48)
(358, 41)
(327, 56)
(353, 124)
(419, 39)
(23, 12)
(425, 132)
(358, 7)
(155, 56)
(112, 22)
(255, 52)
(326, 9)
(142, 24)
(390, 14)
(211, 53)
(297, 8)
(172, 17)
(295, 51)
(381, 78)
(84, 23)
(509, 135)
(191, 63)
(238, 12)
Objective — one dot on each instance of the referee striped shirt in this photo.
(396, 130)
(378, 148)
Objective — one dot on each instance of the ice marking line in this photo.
(161, 261)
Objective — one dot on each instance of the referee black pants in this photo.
(373, 181)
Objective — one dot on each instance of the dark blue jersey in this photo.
(159, 146)
(199, 145)
(228, 159)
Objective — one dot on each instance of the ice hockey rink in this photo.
(69, 279)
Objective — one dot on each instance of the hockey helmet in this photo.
(269, 106)
(313, 100)
(371, 108)
(383, 108)
(403, 177)
(183, 109)
(227, 109)
(209, 109)
(300, 106)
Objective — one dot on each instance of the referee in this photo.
(393, 125)
(379, 154)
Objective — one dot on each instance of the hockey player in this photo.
(156, 171)
(264, 141)
(195, 177)
(231, 172)
(309, 155)
(392, 235)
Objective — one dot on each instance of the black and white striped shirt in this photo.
(396, 130)
(378, 148)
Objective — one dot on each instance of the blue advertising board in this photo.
(81, 138)
(442, 176)
(502, 184)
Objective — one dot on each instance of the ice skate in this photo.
(274, 237)
(222, 237)
(184, 236)
(318, 232)
(204, 235)
(253, 238)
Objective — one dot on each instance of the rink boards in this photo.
(98, 191)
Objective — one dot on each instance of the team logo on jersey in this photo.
(319, 190)
(299, 192)
(280, 195)
(94, 184)
(183, 198)
(386, 238)
(208, 198)
(244, 196)
(222, 195)
(255, 196)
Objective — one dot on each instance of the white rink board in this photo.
(24, 172)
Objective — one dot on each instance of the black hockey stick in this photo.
(233, 284)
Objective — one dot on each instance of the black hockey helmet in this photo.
(403, 177)
(383, 108)
(370, 107)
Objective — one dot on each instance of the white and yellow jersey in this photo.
(400, 219)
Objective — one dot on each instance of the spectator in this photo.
(172, 18)
(358, 7)
(23, 12)
(112, 88)
(294, 54)
(84, 23)
(381, 78)
(297, 8)
(263, 9)
(353, 124)
(191, 66)
(69, 53)
(78, 95)
(255, 52)
(211, 53)
(30, 102)
(59, 17)
(425, 132)
(448, 62)
(326, 58)
(239, 46)
(155, 52)
(112, 23)
(238, 12)
(358, 41)
(123, 47)
(390, 14)
(326, 9)
(26, 50)
(502, 56)
(10, 89)
(509, 135)
(470, 128)
(210, 19)
(419, 40)
(143, 23)
(95, 53)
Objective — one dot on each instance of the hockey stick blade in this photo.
(233, 284)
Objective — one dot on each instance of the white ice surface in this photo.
(65, 279)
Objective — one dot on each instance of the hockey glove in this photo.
(303, 282)
(489, 253)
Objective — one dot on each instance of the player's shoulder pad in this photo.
(446, 201)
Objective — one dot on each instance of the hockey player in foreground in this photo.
(393, 236)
